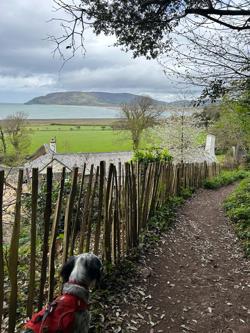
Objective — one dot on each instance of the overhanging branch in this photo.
(219, 12)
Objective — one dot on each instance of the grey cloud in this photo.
(27, 65)
(135, 76)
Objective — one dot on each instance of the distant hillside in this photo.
(94, 99)
(85, 98)
(181, 103)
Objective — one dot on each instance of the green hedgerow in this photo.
(237, 207)
(225, 178)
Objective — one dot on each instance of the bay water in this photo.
(36, 111)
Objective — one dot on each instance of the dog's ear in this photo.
(67, 269)
(93, 267)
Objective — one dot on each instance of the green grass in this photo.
(80, 138)
(225, 178)
(238, 210)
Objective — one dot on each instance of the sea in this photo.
(35, 111)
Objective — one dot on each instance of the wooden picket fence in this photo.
(104, 210)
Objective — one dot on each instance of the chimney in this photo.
(52, 145)
(210, 145)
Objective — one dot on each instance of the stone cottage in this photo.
(47, 156)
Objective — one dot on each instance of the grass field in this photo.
(81, 138)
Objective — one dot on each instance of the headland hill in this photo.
(102, 99)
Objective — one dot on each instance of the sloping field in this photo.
(72, 138)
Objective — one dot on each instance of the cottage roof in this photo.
(57, 161)
(45, 157)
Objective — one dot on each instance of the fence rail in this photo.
(103, 211)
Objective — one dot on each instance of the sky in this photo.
(29, 69)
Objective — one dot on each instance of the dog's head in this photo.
(85, 268)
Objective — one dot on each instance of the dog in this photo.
(69, 312)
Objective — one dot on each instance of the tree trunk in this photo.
(136, 142)
(237, 154)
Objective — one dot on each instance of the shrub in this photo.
(238, 210)
(225, 178)
(152, 155)
(248, 161)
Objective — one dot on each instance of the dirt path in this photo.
(197, 280)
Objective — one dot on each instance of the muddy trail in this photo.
(197, 279)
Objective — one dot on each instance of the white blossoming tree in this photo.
(179, 134)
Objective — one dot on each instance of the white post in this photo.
(210, 145)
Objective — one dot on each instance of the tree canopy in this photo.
(233, 126)
(143, 26)
(14, 138)
(137, 116)
(205, 41)
(179, 134)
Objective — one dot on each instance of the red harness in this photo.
(58, 316)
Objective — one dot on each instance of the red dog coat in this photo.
(57, 317)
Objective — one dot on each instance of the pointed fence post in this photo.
(52, 247)
(146, 197)
(122, 208)
(117, 216)
(45, 246)
(107, 219)
(90, 213)
(32, 271)
(100, 207)
(13, 256)
(86, 211)
(75, 228)
(127, 193)
(69, 214)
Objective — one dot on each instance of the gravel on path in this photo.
(197, 279)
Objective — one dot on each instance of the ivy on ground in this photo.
(225, 178)
(238, 210)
